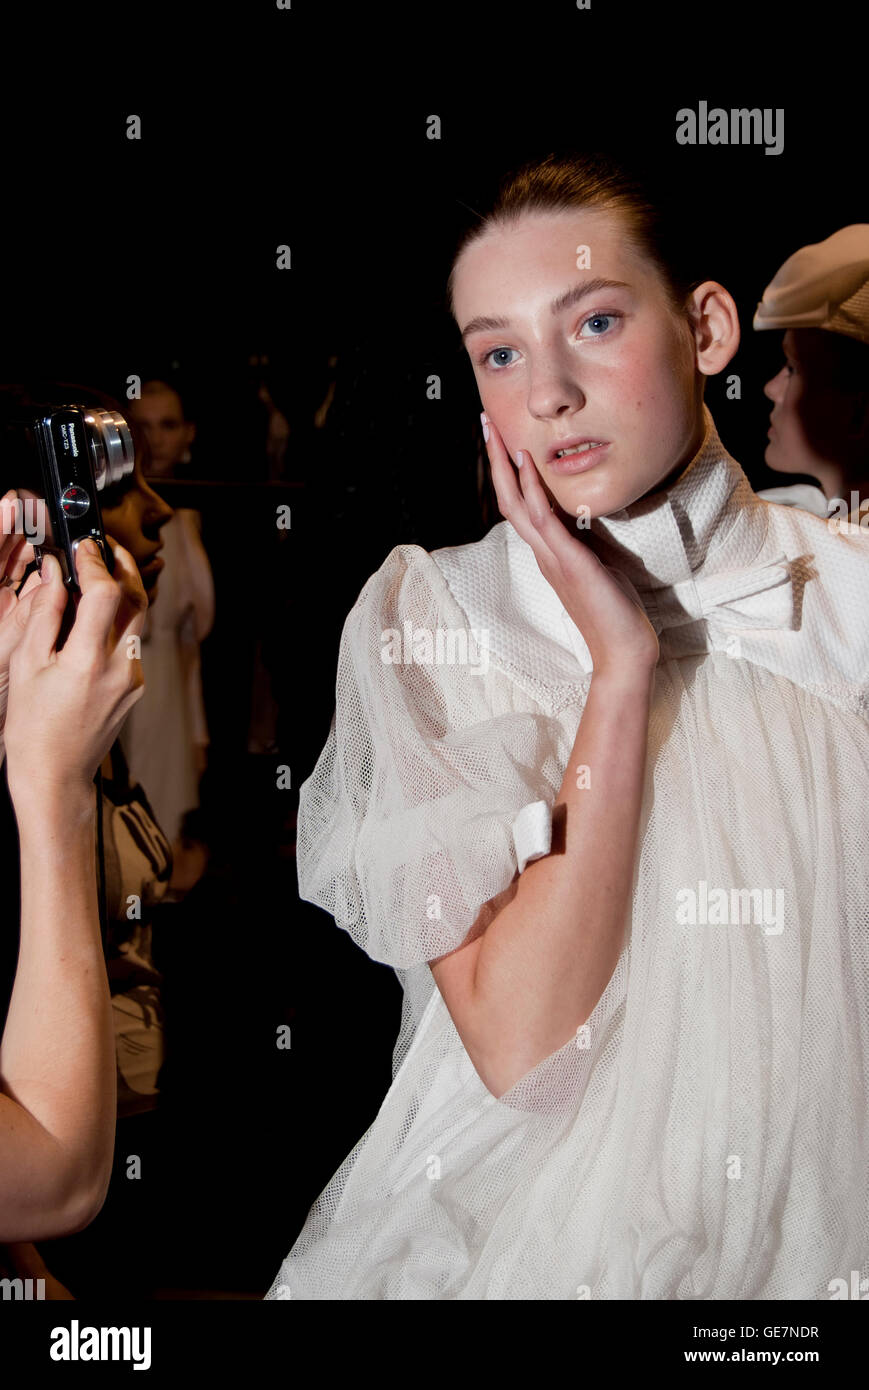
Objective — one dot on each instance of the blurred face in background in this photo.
(160, 416)
(818, 425)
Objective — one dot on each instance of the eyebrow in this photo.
(485, 324)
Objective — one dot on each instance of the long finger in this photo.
(133, 609)
(17, 558)
(33, 582)
(23, 604)
(10, 601)
(511, 498)
(504, 479)
(9, 537)
(97, 607)
(549, 525)
(46, 606)
(14, 609)
(516, 496)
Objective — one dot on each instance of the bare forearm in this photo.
(57, 1059)
(548, 955)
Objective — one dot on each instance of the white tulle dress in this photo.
(706, 1134)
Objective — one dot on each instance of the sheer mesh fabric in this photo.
(704, 1136)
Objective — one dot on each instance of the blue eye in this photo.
(598, 318)
(607, 320)
(485, 358)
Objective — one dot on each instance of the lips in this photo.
(153, 567)
(573, 442)
(569, 464)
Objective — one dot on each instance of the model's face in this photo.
(614, 366)
(168, 434)
(134, 520)
(809, 412)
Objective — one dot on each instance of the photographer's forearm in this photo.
(57, 1055)
(546, 958)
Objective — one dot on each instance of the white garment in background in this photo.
(805, 495)
(706, 1136)
(164, 727)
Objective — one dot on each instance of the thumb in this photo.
(45, 609)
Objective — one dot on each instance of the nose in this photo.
(158, 510)
(554, 390)
(774, 389)
(148, 440)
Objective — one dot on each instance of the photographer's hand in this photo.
(66, 707)
(16, 553)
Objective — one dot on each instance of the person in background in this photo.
(139, 861)
(161, 416)
(166, 743)
(820, 422)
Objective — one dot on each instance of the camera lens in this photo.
(111, 445)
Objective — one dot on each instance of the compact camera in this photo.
(61, 459)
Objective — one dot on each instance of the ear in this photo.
(189, 433)
(716, 327)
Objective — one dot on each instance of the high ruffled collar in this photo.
(700, 554)
(709, 520)
(695, 553)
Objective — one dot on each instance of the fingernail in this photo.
(520, 458)
(90, 546)
(485, 423)
(46, 572)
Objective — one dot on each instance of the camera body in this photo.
(64, 457)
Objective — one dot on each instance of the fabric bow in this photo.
(709, 611)
(754, 596)
(726, 604)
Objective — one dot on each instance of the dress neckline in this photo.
(671, 544)
(707, 521)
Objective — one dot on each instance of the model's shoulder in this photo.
(403, 562)
(488, 550)
(411, 577)
(829, 562)
(476, 568)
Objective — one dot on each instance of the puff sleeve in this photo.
(410, 820)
